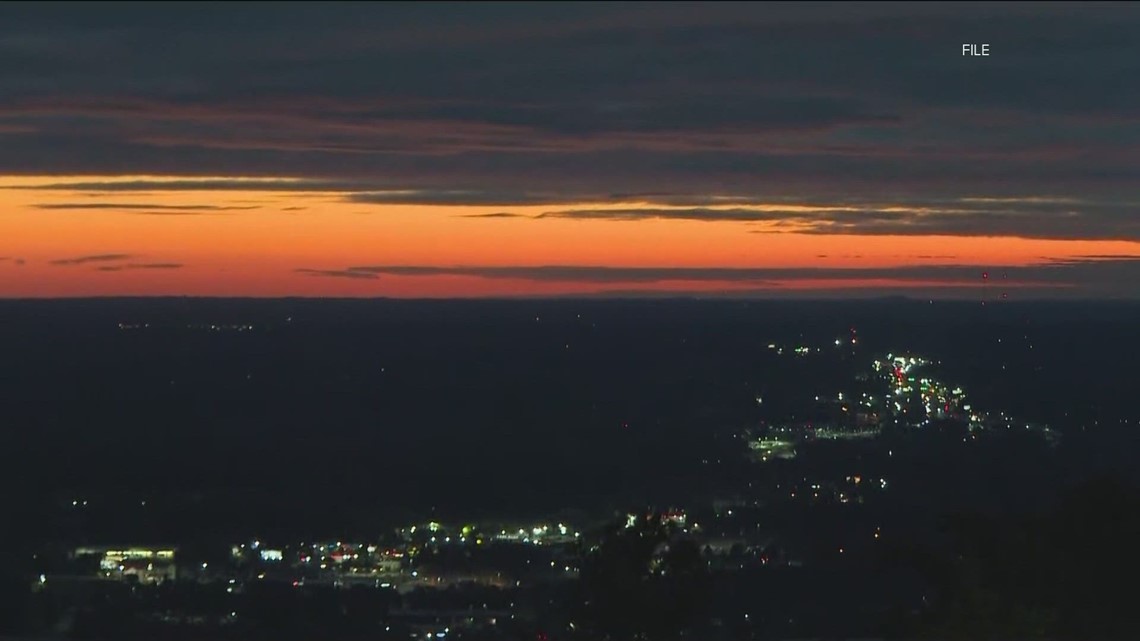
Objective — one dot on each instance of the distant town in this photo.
(470, 580)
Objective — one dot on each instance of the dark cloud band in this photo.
(1088, 273)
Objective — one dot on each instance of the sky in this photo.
(593, 149)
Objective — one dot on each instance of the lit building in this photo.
(150, 565)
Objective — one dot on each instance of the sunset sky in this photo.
(569, 149)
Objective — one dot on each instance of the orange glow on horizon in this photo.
(251, 242)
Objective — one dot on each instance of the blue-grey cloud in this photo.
(189, 184)
(455, 197)
(496, 103)
(962, 217)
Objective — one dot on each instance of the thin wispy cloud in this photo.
(352, 274)
(145, 207)
(93, 258)
(497, 214)
(134, 266)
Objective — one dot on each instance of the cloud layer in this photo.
(1091, 275)
(511, 105)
